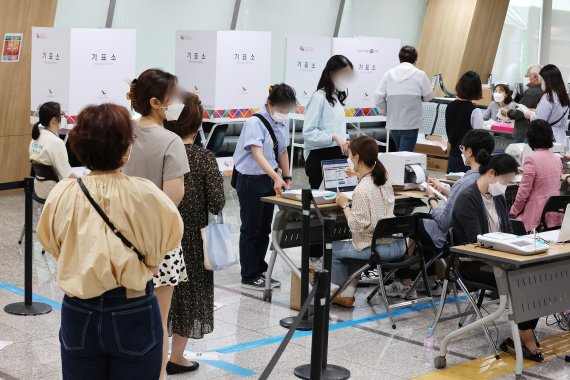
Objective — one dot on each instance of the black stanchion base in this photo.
(330, 372)
(304, 325)
(20, 308)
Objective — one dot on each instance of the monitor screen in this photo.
(334, 177)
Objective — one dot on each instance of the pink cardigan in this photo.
(540, 180)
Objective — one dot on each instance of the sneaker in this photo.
(369, 277)
(399, 290)
(274, 282)
(257, 284)
(434, 286)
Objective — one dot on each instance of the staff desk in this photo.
(531, 286)
(287, 227)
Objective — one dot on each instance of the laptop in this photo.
(563, 234)
(335, 179)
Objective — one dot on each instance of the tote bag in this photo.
(217, 243)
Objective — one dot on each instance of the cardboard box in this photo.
(433, 149)
(295, 297)
(438, 164)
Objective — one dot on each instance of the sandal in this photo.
(508, 346)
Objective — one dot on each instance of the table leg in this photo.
(518, 344)
(440, 361)
(292, 149)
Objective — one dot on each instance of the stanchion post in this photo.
(323, 280)
(306, 322)
(28, 307)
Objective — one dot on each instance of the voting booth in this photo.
(78, 67)
(372, 58)
(228, 70)
(306, 58)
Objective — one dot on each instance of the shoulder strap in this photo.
(561, 117)
(271, 133)
(106, 219)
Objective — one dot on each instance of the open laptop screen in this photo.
(334, 178)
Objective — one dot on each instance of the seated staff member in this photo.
(372, 200)
(461, 115)
(502, 98)
(476, 150)
(110, 318)
(540, 179)
(554, 104)
(47, 148)
(257, 165)
(324, 128)
(482, 208)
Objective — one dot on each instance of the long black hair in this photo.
(46, 112)
(367, 150)
(553, 82)
(335, 63)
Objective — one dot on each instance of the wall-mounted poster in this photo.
(78, 67)
(228, 70)
(372, 58)
(305, 59)
(12, 47)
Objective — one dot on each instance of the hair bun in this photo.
(483, 157)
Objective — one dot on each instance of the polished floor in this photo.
(247, 330)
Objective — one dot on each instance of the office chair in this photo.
(398, 228)
(555, 204)
(42, 173)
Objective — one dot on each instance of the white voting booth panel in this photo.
(372, 57)
(78, 67)
(228, 70)
(306, 58)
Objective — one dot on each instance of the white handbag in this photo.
(217, 244)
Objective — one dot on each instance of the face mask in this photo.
(173, 111)
(464, 159)
(497, 188)
(63, 123)
(498, 97)
(543, 86)
(341, 84)
(526, 81)
(128, 155)
(351, 164)
(279, 117)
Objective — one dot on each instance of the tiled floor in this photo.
(244, 326)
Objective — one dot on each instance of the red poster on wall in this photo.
(12, 47)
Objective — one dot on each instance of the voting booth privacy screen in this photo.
(228, 70)
(306, 57)
(78, 67)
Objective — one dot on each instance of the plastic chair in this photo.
(557, 204)
(42, 173)
(399, 228)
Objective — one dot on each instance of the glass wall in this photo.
(519, 45)
(81, 13)
(560, 37)
(156, 22)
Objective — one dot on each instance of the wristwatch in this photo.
(287, 178)
(432, 199)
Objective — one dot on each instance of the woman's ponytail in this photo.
(36, 131)
(379, 174)
(483, 158)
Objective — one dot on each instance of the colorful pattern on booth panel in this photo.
(357, 112)
(230, 114)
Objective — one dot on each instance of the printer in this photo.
(406, 169)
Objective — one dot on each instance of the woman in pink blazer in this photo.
(540, 180)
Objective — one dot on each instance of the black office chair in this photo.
(42, 173)
(555, 204)
(453, 276)
(216, 138)
(518, 227)
(399, 228)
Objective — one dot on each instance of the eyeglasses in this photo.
(461, 148)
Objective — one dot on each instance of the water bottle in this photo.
(429, 343)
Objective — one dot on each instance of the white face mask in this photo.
(341, 84)
(497, 188)
(498, 97)
(173, 111)
(543, 86)
(464, 159)
(279, 117)
(351, 164)
(526, 81)
(63, 123)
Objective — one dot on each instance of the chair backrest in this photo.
(556, 203)
(518, 227)
(439, 128)
(429, 117)
(387, 228)
(451, 237)
(44, 172)
(216, 139)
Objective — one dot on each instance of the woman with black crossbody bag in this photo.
(260, 152)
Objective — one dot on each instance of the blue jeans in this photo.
(344, 249)
(111, 337)
(256, 217)
(404, 139)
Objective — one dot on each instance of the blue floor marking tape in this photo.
(241, 371)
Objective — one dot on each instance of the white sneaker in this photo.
(397, 289)
(434, 286)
